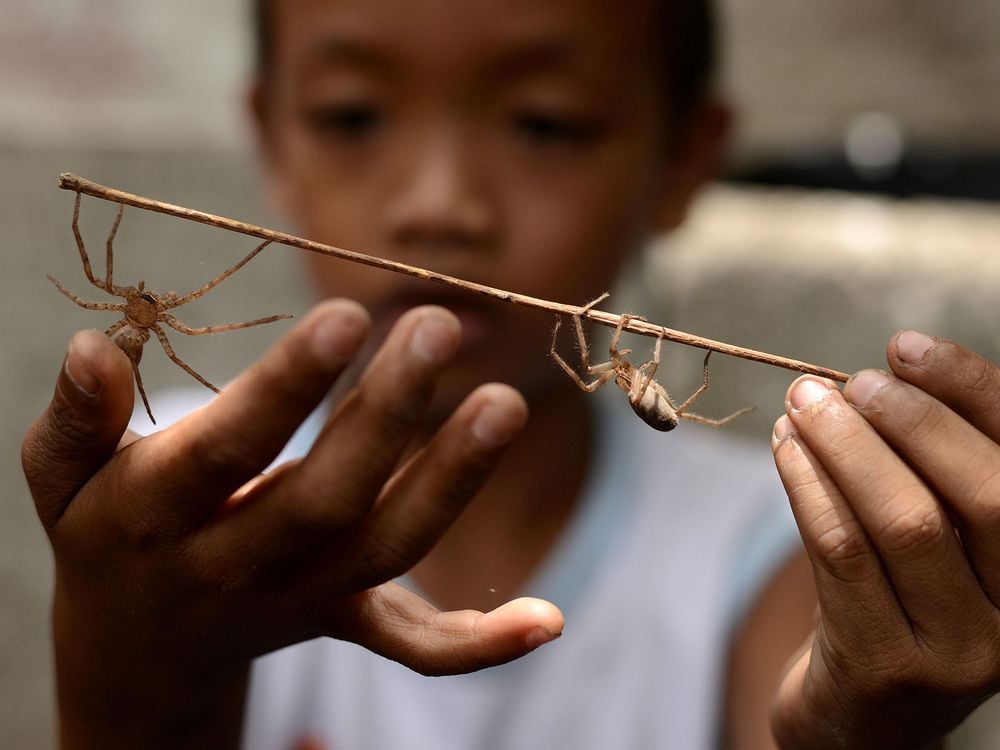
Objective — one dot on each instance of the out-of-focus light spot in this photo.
(873, 144)
(865, 227)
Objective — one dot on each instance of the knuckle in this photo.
(923, 416)
(912, 530)
(978, 376)
(214, 456)
(984, 499)
(844, 551)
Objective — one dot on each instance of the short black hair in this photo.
(687, 36)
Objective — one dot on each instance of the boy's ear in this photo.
(694, 160)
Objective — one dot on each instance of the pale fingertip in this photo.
(339, 332)
(501, 418)
(81, 362)
(436, 335)
(864, 386)
(783, 429)
(807, 390)
(534, 613)
(912, 347)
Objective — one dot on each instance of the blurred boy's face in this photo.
(519, 143)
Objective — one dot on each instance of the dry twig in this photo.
(634, 325)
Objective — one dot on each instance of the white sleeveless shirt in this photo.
(674, 537)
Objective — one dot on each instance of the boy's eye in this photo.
(350, 120)
(543, 128)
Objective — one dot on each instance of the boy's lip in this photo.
(477, 314)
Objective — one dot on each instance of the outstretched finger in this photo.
(227, 443)
(337, 483)
(401, 626)
(424, 498)
(82, 425)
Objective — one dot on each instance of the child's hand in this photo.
(898, 501)
(177, 562)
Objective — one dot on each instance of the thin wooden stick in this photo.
(80, 185)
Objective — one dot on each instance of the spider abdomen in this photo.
(654, 408)
(131, 340)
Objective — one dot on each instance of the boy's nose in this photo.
(441, 201)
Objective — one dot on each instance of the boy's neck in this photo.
(508, 530)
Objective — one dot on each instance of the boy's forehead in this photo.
(526, 32)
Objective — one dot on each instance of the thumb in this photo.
(82, 425)
(402, 626)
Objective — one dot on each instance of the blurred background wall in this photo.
(860, 197)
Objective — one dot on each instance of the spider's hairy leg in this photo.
(170, 302)
(647, 370)
(116, 327)
(142, 392)
(682, 409)
(110, 306)
(581, 337)
(109, 262)
(83, 250)
(701, 388)
(605, 376)
(171, 321)
(698, 419)
(162, 336)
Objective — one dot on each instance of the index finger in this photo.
(954, 375)
(219, 448)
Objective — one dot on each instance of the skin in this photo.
(894, 486)
(395, 133)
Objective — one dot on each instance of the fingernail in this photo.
(539, 636)
(864, 385)
(80, 350)
(912, 346)
(435, 338)
(337, 337)
(494, 425)
(807, 390)
(783, 428)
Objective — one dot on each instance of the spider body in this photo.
(648, 399)
(143, 310)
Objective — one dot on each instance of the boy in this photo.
(530, 145)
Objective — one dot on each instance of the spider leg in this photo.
(682, 409)
(176, 301)
(116, 327)
(623, 321)
(606, 369)
(647, 370)
(115, 306)
(83, 250)
(142, 392)
(714, 422)
(177, 360)
(701, 388)
(171, 321)
(109, 284)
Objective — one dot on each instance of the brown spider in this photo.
(144, 309)
(648, 399)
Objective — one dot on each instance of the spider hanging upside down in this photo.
(144, 309)
(648, 399)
